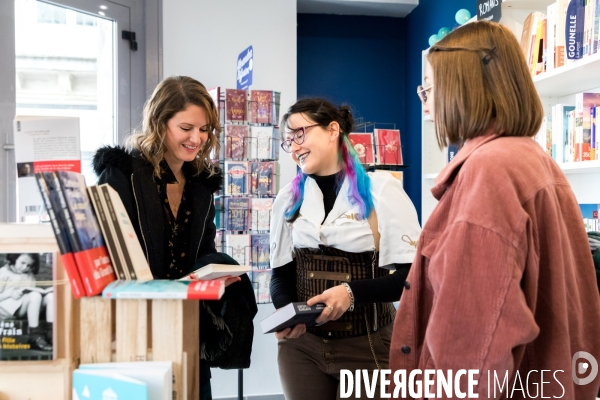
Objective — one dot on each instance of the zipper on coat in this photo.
(212, 198)
(137, 207)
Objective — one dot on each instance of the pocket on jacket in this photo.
(428, 246)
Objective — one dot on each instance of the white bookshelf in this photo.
(557, 86)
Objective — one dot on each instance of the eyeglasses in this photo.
(422, 93)
(299, 135)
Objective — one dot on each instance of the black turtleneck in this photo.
(384, 289)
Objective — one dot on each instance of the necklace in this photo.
(174, 205)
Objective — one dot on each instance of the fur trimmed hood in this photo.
(118, 157)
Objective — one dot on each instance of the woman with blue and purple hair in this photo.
(336, 234)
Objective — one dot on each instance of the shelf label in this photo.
(489, 9)
(244, 68)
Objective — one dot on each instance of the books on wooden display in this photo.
(27, 328)
(89, 249)
(60, 229)
(165, 289)
(291, 315)
(363, 145)
(217, 271)
(389, 149)
(123, 244)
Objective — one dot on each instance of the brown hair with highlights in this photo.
(172, 95)
(482, 82)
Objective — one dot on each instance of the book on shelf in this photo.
(27, 326)
(291, 315)
(261, 106)
(260, 213)
(85, 236)
(96, 384)
(236, 177)
(217, 271)
(584, 103)
(261, 140)
(165, 289)
(237, 213)
(236, 107)
(42, 144)
(261, 251)
(363, 145)
(574, 30)
(389, 148)
(157, 375)
(262, 285)
(238, 247)
(123, 244)
(236, 141)
(60, 229)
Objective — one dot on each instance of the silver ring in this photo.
(331, 308)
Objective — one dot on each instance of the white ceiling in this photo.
(381, 8)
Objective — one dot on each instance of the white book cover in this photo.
(238, 247)
(42, 144)
(260, 214)
(217, 271)
(261, 140)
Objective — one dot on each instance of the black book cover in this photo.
(290, 315)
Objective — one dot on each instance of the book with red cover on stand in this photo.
(89, 250)
(236, 108)
(389, 149)
(363, 145)
(261, 106)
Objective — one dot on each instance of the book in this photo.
(237, 213)
(260, 213)
(59, 227)
(157, 375)
(89, 250)
(238, 247)
(236, 108)
(363, 145)
(574, 29)
(236, 141)
(165, 289)
(236, 177)
(216, 271)
(389, 149)
(42, 144)
(262, 178)
(91, 384)
(261, 106)
(291, 315)
(261, 140)
(27, 335)
(126, 242)
(262, 281)
(261, 251)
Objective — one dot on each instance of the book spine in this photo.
(106, 232)
(64, 210)
(63, 244)
(127, 264)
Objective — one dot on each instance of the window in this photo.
(50, 14)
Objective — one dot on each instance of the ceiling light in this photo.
(103, 7)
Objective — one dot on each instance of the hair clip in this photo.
(488, 57)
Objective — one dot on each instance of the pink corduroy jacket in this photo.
(503, 281)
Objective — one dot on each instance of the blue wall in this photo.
(374, 64)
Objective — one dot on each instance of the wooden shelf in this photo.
(578, 76)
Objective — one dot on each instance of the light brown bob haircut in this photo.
(172, 95)
(482, 81)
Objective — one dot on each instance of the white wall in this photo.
(202, 39)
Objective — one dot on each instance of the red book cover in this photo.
(206, 290)
(261, 101)
(89, 249)
(363, 145)
(389, 149)
(59, 226)
(236, 108)
(236, 141)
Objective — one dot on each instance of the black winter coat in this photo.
(227, 341)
